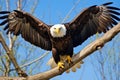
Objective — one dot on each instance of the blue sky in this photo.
(54, 11)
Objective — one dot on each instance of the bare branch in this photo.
(35, 60)
(35, 4)
(29, 63)
(19, 4)
(71, 10)
(7, 5)
(12, 58)
(8, 62)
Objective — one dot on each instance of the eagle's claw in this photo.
(69, 60)
(60, 65)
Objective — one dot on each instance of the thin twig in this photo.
(66, 17)
(35, 4)
(19, 4)
(7, 5)
(29, 63)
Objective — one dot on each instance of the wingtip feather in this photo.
(3, 17)
(113, 8)
(108, 3)
(4, 22)
(4, 12)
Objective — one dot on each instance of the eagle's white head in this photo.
(58, 30)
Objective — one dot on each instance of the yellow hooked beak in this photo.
(57, 30)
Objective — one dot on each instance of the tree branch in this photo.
(89, 49)
(71, 10)
(12, 58)
(19, 4)
(31, 62)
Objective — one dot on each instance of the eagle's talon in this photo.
(60, 65)
(69, 60)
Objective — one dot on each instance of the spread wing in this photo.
(30, 28)
(92, 20)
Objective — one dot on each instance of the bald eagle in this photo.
(61, 38)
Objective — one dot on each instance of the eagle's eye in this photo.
(60, 28)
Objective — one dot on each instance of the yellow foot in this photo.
(60, 65)
(68, 59)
